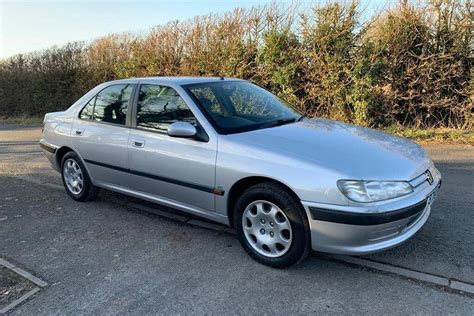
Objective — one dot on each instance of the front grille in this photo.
(416, 182)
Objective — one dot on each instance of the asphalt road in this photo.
(107, 257)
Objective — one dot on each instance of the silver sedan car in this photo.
(231, 152)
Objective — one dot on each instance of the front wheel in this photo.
(272, 226)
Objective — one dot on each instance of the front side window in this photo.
(237, 106)
(160, 106)
(109, 105)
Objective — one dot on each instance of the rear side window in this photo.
(160, 106)
(109, 105)
(86, 112)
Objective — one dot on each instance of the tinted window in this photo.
(111, 104)
(236, 106)
(86, 112)
(160, 106)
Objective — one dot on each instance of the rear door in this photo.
(177, 169)
(101, 132)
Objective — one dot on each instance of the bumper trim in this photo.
(366, 219)
(48, 148)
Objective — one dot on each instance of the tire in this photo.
(273, 216)
(76, 180)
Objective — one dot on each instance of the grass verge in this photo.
(26, 120)
(436, 135)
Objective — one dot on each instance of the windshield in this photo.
(238, 106)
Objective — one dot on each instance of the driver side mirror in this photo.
(182, 129)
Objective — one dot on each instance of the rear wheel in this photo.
(272, 226)
(76, 180)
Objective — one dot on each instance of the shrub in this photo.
(409, 66)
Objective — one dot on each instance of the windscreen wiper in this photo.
(280, 122)
(302, 117)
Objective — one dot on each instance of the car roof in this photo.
(174, 80)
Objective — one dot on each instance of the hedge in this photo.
(408, 66)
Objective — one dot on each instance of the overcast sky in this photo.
(28, 25)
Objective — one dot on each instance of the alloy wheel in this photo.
(73, 176)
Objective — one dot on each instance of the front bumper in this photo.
(358, 230)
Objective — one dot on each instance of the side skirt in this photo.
(216, 217)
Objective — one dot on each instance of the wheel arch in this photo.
(60, 154)
(243, 184)
(61, 151)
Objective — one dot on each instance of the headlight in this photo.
(372, 191)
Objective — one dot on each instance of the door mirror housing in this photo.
(182, 129)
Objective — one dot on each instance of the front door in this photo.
(177, 169)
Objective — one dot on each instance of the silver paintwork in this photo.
(267, 228)
(106, 143)
(181, 129)
(182, 159)
(191, 209)
(308, 157)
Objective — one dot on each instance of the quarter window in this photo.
(160, 106)
(110, 105)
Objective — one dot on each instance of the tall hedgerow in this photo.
(411, 65)
(426, 59)
(329, 39)
(36, 83)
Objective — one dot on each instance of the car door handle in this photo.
(79, 132)
(138, 143)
